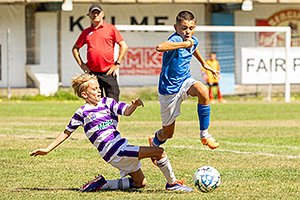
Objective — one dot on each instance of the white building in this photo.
(37, 36)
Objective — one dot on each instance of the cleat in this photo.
(94, 185)
(150, 140)
(178, 186)
(210, 142)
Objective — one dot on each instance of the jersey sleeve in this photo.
(117, 108)
(175, 38)
(82, 38)
(75, 121)
(117, 35)
(196, 41)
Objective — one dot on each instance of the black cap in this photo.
(95, 6)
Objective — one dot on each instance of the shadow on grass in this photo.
(45, 189)
(145, 191)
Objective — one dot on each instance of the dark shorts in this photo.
(212, 84)
(108, 85)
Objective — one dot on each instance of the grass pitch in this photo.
(258, 158)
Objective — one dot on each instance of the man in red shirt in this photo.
(100, 39)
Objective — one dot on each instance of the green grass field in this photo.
(259, 156)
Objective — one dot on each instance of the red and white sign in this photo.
(142, 61)
(289, 17)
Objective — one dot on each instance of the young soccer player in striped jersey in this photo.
(176, 83)
(99, 118)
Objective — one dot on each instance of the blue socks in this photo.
(156, 141)
(204, 121)
(204, 116)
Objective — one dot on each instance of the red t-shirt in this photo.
(100, 46)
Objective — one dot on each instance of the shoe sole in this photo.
(180, 189)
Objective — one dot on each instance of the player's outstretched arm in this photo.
(199, 57)
(167, 46)
(134, 104)
(60, 138)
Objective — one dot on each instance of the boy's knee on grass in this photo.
(141, 184)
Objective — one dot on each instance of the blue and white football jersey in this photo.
(175, 66)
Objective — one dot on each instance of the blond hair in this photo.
(80, 83)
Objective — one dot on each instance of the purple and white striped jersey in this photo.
(99, 124)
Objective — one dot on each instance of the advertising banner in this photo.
(268, 65)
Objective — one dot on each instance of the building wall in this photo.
(123, 14)
(12, 16)
(13, 53)
(261, 11)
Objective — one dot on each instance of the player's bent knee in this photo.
(141, 184)
(202, 93)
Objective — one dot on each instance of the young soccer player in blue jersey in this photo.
(99, 119)
(176, 83)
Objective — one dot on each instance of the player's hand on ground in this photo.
(137, 102)
(39, 152)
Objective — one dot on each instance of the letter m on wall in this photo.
(142, 61)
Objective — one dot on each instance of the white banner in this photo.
(268, 65)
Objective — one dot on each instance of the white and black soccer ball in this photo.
(207, 179)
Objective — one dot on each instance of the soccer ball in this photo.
(207, 179)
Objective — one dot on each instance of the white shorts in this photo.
(170, 104)
(127, 160)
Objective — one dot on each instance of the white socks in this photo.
(204, 134)
(165, 167)
(118, 184)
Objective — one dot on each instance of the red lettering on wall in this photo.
(142, 61)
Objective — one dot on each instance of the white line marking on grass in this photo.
(260, 145)
(21, 129)
(236, 152)
(46, 136)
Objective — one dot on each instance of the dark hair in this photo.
(185, 15)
